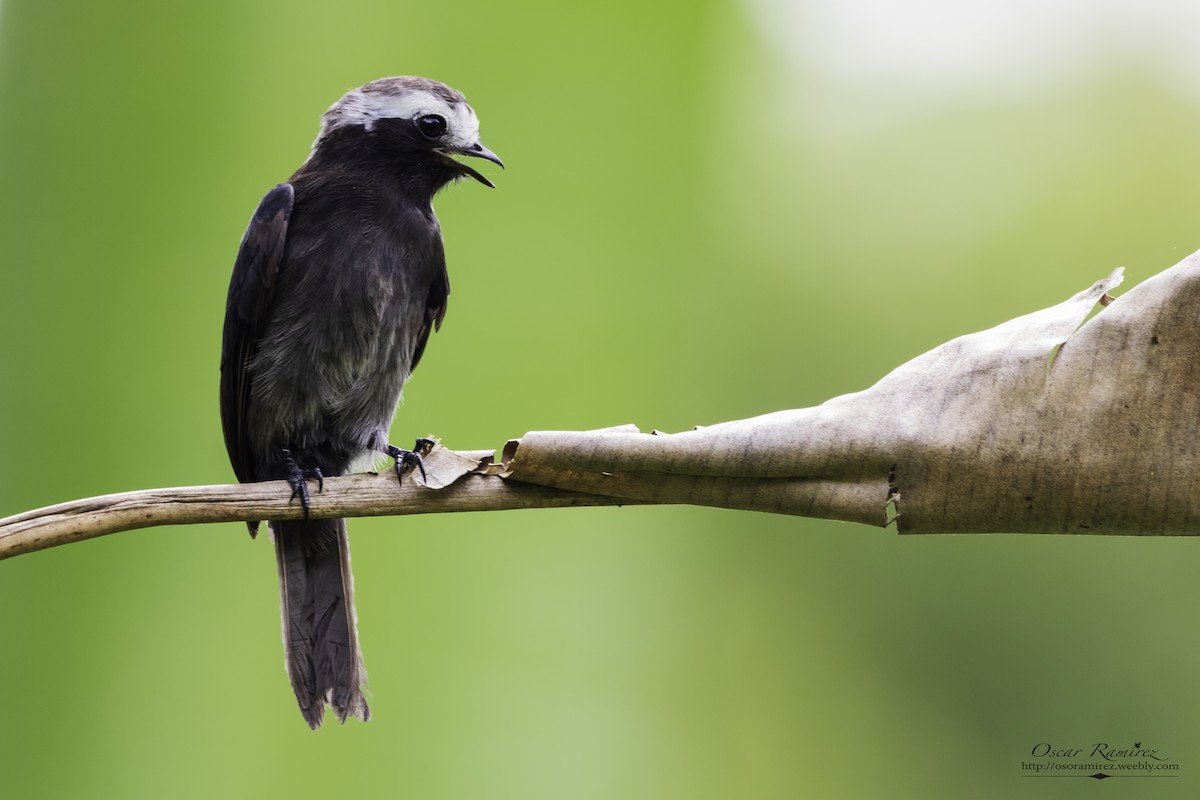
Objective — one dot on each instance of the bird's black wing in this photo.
(435, 309)
(250, 291)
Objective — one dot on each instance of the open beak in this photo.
(477, 151)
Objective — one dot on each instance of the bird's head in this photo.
(416, 119)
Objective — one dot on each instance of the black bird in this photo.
(338, 283)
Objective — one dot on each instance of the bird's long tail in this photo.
(320, 630)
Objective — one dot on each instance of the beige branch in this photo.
(454, 485)
(1045, 424)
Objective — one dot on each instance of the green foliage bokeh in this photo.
(688, 231)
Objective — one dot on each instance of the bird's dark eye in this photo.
(431, 126)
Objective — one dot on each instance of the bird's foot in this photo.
(297, 478)
(410, 458)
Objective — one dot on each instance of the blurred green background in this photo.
(711, 210)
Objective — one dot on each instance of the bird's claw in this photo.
(297, 478)
(410, 458)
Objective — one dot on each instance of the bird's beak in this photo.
(476, 150)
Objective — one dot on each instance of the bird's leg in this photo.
(297, 478)
(409, 458)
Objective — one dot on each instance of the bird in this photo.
(337, 284)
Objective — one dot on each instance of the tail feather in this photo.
(320, 627)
